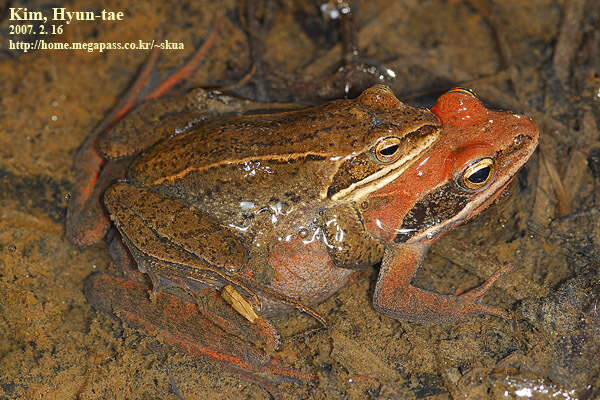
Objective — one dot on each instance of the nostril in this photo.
(518, 139)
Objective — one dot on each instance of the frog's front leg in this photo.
(397, 298)
(348, 243)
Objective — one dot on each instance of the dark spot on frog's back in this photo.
(313, 157)
(292, 196)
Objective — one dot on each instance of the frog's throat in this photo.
(359, 190)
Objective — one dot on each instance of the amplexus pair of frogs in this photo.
(249, 213)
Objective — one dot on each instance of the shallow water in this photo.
(54, 345)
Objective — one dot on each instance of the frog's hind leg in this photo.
(122, 259)
(181, 324)
(156, 120)
(200, 285)
(215, 305)
(87, 223)
(259, 331)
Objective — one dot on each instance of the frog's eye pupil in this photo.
(390, 150)
(480, 176)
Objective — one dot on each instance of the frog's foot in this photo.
(360, 74)
(227, 309)
(122, 258)
(397, 298)
(87, 222)
(180, 324)
(356, 73)
(470, 300)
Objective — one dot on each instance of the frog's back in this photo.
(265, 160)
(235, 140)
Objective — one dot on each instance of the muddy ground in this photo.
(540, 57)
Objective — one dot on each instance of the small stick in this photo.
(188, 68)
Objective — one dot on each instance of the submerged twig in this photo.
(174, 385)
(567, 43)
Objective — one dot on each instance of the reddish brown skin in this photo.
(180, 324)
(87, 224)
(458, 145)
(467, 135)
(317, 270)
(177, 321)
(385, 212)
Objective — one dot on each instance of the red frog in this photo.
(244, 214)
(478, 154)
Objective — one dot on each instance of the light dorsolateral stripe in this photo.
(379, 179)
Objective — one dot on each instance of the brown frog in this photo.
(263, 208)
(243, 201)
(274, 211)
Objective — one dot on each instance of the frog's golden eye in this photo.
(463, 90)
(478, 174)
(388, 149)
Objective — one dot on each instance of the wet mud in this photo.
(540, 58)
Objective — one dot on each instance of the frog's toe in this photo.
(469, 307)
(271, 339)
(470, 300)
(260, 332)
(477, 293)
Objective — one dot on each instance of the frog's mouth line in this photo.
(384, 176)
